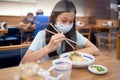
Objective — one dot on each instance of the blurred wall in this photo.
(21, 9)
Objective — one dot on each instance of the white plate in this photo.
(90, 59)
(93, 69)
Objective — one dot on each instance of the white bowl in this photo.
(90, 59)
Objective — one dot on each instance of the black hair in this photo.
(39, 13)
(64, 6)
(30, 13)
(60, 7)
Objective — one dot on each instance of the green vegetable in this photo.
(99, 68)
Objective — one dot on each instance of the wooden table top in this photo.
(112, 64)
(84, 27)
(3, 30)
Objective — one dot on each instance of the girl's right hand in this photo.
(55, 41)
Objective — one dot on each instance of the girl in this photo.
(47, 44)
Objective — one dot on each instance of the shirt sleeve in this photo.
(81, 40)
(38, 41)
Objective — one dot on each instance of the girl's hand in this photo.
(55, 41)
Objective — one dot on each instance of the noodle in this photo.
(75, 57)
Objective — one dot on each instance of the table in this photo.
(112, 64)
(3, 31)
(96, 29)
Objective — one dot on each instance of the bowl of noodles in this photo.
(79, 59)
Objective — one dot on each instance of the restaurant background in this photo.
(91, 12)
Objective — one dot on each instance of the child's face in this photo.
(66, 18)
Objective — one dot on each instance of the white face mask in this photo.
(30, 19)
(63, 27)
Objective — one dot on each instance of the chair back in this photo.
(108, 36)
(114, 31)
(13, 31)
(11, 55)
(13, 35)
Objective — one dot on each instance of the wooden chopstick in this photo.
(50, 31)
(70, 44)
(54, 28)
(66, 39)
(72, 41)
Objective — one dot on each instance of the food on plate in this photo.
(79, 59)
(76, 57)
(98, 68)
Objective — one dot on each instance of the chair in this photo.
(2, 40)
(107, 38)
(13, 36)
(85, 31)
(11, 55)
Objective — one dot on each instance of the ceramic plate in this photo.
(97, 69)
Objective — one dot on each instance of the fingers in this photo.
(55, 41)
(58, 37)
